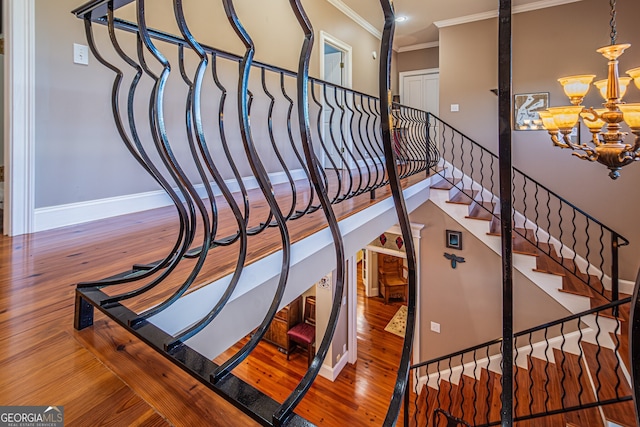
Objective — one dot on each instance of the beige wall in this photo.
(544, 50)
(422, 59)
(79, 155)
(467, 301)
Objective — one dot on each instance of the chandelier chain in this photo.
(614, 32)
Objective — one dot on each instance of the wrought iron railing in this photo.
(578, 243)
(309, 145)
(555, 373)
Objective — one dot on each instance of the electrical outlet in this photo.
(80, 54)
(435, 327)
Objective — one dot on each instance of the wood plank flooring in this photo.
(361, 393)
(103, 375)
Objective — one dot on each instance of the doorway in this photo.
(335, 68)
(421, 89)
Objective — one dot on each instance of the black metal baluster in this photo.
(274, 145)
(223, 140)
(196, 121)
(296, 396)
(401, 209)
(305, 168)
(135, 147)
(634, 346)
(265, 186)
(360, 157)
(327, 153)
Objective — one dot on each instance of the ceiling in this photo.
(421, 14)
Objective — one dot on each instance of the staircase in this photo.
(571, 372)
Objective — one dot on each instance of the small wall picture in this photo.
(454, 239)
(526, 107)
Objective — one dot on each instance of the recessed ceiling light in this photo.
(401, 18)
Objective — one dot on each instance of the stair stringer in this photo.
(520, 221)
(525, 264)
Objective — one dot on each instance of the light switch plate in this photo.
(80, 54)
(455, 108)
(435, 327)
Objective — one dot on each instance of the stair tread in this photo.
(546, 391)
(623, 338)
(496, 403)
(571, 374)
(483, 388)
(573, 284)
(465, 399)
(444, 184)
(443, 401)
(461, 198)
(521, 245)
(482, 211)
(425, 402)
(622, 413)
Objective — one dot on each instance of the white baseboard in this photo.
(332, 373)
(51, 217)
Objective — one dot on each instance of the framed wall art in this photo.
(526, 107)
(454, 239)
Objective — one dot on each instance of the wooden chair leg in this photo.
(309, 354)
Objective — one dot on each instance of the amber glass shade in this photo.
(602, 86)
(631, 113)
(595, 125)
(547, 121)
(566, 117)
(576, 87)
(635, 75)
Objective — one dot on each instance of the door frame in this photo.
(347, 50)
(416, 234)
(19, 117)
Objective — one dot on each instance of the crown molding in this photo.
(342, 7)
(419, 46)
(543, 4)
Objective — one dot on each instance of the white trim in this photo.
(352, 307)
(326, 38)
(332, 373)
(19, 117)
(386, 251)
(419, 46)
(77, 213)
(353, 15)
(347, 50)
(494, 13)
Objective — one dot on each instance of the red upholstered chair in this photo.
(304, 333)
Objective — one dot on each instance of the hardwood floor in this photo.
(361, 393)
(103, 375)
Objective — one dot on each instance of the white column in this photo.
(19, 120)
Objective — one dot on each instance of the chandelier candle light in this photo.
(607, 142)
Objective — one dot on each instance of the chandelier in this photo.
(607, 143)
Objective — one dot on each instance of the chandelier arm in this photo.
(557, 142)
(570, 144)
(636, 144)
(590, 155)
(595, 140)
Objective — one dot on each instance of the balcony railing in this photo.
(222, 135)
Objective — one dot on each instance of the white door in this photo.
(333, 73)
(421, 90)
